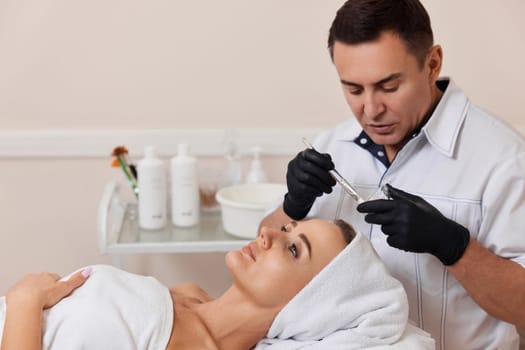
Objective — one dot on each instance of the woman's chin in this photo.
(233, 260)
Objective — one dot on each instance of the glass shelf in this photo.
(119, 232)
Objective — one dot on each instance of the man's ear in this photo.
(434, 62)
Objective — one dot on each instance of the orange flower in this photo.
(117, 151)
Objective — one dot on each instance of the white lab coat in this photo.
(469, 165)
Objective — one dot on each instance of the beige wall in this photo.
(172, 64)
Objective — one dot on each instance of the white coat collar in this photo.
(442, 128)
(348, 130)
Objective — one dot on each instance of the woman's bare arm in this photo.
(25, 302)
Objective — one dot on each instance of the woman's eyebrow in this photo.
(307, 242)
(293, 223)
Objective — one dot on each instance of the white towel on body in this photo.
(353, 303)
(114, 309)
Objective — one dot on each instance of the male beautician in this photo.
(453, 230)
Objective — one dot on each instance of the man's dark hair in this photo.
(359, 21)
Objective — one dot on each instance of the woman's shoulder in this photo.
(191, 291)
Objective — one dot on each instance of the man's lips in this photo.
(249, 250)
(381, 128)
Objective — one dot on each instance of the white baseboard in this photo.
(100, 143)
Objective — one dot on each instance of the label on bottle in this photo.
(184, 195)
(152, 198)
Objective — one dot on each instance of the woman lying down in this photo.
(315, 284)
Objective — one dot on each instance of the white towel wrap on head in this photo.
(353, 303)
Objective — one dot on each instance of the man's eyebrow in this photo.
(293, 223)
(387, 79)
(349, 83)
(307, 242)
(391, 77)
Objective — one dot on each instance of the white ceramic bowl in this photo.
(243, 206)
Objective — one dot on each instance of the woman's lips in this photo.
(249, 250)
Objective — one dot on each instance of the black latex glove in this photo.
(307, 178)
(413, 225)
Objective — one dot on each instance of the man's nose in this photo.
(373, 106)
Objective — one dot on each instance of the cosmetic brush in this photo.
(120, 153)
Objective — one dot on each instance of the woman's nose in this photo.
(267, 236)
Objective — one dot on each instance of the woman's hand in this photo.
(25, 302)
(44, 289)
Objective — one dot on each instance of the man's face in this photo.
(386, 88)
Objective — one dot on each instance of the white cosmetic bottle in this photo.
(184, 188)
(152, 183)
(233, 172)
(256, 173)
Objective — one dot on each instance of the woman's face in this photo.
(279, 263)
